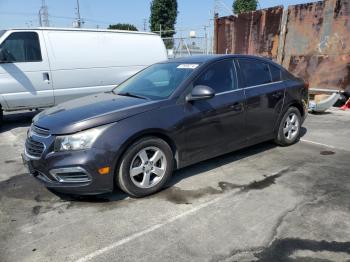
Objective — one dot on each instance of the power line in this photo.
(220, 6)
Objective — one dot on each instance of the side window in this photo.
(22, 47)
(254, 72)
(287, 76)
(220, 76)
(276, 73)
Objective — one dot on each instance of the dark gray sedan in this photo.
(168, 116)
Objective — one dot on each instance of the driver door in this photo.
(215, 126)
(25, 80)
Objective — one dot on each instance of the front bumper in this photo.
(74, 172)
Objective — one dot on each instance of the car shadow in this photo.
(12, 120)
(303, 131)
(219, 161)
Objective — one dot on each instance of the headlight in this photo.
(78, 141)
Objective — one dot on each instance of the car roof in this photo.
(211, 58)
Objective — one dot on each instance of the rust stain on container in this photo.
(317, 43)
(250, 33)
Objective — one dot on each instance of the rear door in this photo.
(265, 91)
(215, 126)
(25, 80)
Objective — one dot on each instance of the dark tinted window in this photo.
(220, 76)
(254, 72)
(287, 76)
(22, 47)
(276, 73)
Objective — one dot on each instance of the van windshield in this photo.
(2, 32)
(156, 82)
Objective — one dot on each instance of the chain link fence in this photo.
(188, 46)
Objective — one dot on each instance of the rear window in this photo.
(254, 72)
(2, 32)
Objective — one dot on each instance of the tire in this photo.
(145, 167)
(1, 116)
(289, 128)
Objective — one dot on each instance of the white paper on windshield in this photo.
(188, 66)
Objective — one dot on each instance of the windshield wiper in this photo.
(131, 95)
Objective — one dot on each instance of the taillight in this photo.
(306, 85)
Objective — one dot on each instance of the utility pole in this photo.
(44, 15)
(145, 24)
(78, 21)
(160, 30)
(206, 39)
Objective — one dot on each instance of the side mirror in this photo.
(200, 93)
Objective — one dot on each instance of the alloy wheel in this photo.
(291, 126)
(148, 167)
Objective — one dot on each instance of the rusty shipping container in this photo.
(311, 40)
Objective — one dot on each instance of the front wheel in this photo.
(1, 116)
(145, 167)
(289, 128)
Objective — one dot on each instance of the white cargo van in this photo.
(45, 66)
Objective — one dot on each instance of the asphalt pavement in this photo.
(263, 203)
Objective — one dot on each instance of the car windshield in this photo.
(2, 32)
(156, 82)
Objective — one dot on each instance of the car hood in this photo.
(91, 111)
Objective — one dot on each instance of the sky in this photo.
(193, 14)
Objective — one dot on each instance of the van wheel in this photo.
(1, 116)
(289, 128)
(145, 167)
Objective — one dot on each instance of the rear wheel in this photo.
(1, 115)
(145, 167)
(289, 128)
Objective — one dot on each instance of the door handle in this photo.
(277, 95)
(46, 77)
(236, 106)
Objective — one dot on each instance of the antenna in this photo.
(44, 15)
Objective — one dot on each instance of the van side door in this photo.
(25, 80)
(265, 91)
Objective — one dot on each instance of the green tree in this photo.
(242, 6)
(163, 18)
(120, 26)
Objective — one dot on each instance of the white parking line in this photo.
(321, 144)
(316, 143)
(153, 228)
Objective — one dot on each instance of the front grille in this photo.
(34, 148)
(40, 131)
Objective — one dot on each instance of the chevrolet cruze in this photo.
(168, 116)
